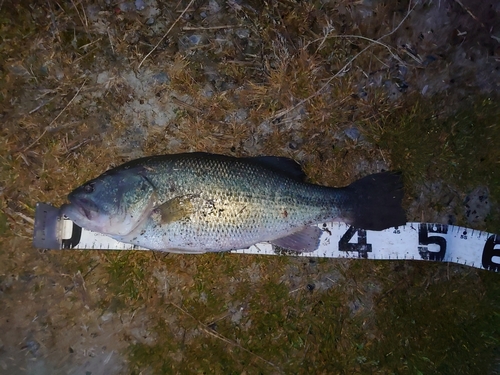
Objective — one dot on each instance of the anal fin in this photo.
(304, 241)
(183, 251)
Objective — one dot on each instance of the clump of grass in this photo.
(415, 306)
(428, 144)
(129, 279)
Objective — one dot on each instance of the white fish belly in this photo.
(222, 225)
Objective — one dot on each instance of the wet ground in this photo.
(345, 88)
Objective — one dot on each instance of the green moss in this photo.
(155, 357)
(3, 223)
(129, 278)
(446, 324)
(461, 149)
(380, 317)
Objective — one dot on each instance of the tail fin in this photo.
(377, 201)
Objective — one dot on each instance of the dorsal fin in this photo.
(285, 166)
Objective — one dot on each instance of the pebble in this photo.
(139, 5)
(242, 33)
(161, 78)
(352, 133)
(213, 7)
(194, 39)
(208, 91)
(477, 205)
(125, 7)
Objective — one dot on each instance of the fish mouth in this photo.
(84, 207)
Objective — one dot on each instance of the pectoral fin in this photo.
(175, 209)
(305, 240)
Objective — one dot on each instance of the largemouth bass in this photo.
(199, 202)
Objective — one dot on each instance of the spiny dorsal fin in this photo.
(285, 166)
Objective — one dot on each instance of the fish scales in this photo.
(235, 203)
(199, 202)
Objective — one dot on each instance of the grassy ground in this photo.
(344, 88)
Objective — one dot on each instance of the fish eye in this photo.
(89, 188)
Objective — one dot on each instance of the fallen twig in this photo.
(191, 28)
(55, 118)
(26, 218)
(40, 106)
(343, 69)
(185, 105)
(164, 36)
(377, 41)
(220, 337)
(470, 13)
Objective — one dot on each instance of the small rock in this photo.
(203, 298)
(242, 33)
(59, 74)
(208, 91)
(102, 78)
(186, 42)
(265, 128)
(428, 60)
(362, 94)
(161, 78)
(477, 205)
(126, 6)
(32, 346)
(213, 6)
(236, 316)
(352, 133)
(139, 5)
(44, 71)
(106, 316)
(392, 90)
(241, 115)
(194, 39)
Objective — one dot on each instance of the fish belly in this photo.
(220, 223)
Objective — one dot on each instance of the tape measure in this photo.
(413, 241)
